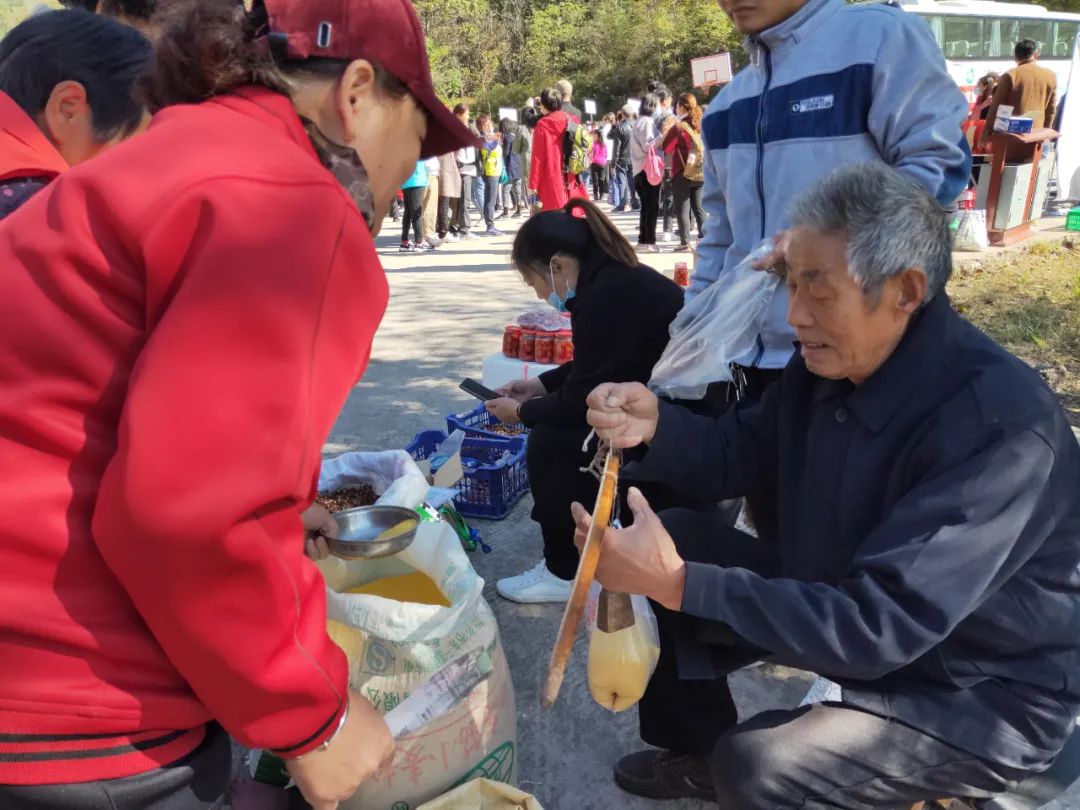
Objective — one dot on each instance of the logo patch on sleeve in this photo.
(812, 104)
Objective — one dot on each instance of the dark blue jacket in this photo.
(928, 524)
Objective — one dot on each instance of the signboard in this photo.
(508, 112)
(709, 70)
(590, 106)
(1069, 142)
(634, 104)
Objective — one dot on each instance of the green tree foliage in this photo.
(499, 52)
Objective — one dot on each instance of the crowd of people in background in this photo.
(526, 164)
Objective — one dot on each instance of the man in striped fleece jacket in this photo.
(828, 84)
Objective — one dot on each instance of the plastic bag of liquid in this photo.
(716, 329)
(621, 663)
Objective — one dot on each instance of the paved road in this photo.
(446, 312)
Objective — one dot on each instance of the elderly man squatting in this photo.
(923, 550)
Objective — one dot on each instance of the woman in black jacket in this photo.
(575, 259)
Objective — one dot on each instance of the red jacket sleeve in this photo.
(249, 357)
(671, 140)
(535, 164)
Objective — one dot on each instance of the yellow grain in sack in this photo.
(416, 587)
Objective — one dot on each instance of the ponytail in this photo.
(694, 113)
(577, 229)
(604, 233)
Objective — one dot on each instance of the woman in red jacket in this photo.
(182, 318)
(66, 82)
(546, 176)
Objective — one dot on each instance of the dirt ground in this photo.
(1029, 301)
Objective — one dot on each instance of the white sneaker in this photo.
(667, 236)
(537, 586)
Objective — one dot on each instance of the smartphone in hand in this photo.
(470, 386)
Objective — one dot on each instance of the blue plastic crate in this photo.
(476, 423)
(424, 444)
(495, 475)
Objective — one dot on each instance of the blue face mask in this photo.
(556, 300)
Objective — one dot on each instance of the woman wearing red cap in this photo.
(183, 317)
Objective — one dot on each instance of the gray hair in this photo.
(891, 224)
(566, 90)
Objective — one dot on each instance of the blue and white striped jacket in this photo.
(832, 85)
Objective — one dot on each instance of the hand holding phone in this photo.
(470, 386)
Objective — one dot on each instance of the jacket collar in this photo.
(914, 365)
(25, 151)
(795, 28)
(272, 109)
(591, 267)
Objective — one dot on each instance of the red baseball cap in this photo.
(386, 32)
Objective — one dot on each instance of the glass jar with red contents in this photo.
(527, 346)
(512, 342)
(682, 275)
(545, 348)
(564, 347)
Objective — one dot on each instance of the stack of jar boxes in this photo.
(538, 346)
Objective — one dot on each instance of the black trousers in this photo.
(687, 200)
(461, 222)
(414, 204)
(825, 756)
(196, 782)
(599, 181)
(667, 201)
(553, 456)
(649, 195)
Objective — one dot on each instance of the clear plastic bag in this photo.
(716, 329)
(621, 663)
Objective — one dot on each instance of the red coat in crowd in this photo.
(182, 319)
(25, 154)
(546, 164)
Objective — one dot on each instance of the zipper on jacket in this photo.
(761, 133)
(759, 354)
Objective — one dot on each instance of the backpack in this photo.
(492, 160)
(654, 167)
(694, 170)
(577, 149)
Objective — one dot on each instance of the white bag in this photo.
(621, 663)
(394, 647)
(715, 329)
(392, 474)
(971, 231)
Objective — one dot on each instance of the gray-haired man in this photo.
(922, 547)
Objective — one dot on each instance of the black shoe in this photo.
(657, 774)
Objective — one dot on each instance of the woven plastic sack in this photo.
(971, 231)
(483, 794)
(716, 329)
